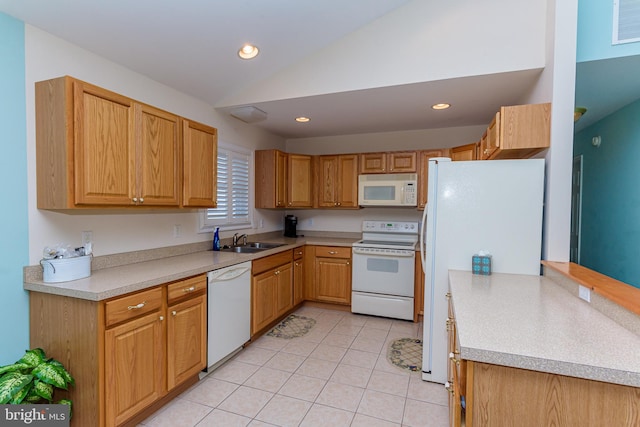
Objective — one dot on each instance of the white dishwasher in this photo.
(229, 311)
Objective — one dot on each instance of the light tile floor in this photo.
(336, 375)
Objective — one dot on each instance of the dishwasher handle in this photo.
(229, 274)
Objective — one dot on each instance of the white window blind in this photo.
(233, 210)
(626, 21)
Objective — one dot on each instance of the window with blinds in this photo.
(234, 185)
(626, 21)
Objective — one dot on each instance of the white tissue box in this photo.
(65, 269)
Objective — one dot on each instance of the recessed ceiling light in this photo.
(248, 51)
(302, 119)
(441, 106)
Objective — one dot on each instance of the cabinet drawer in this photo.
(333, 252)
(273, 261)
(188, 287)
(131, 306)
(298, 253)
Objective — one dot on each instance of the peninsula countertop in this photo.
(530, 322)
(115, 281)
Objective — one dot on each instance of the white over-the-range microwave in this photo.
(397, 189)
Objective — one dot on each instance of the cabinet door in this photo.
(298, 281)
(402, 162)
(333, 280)
(284, 289)
(465, 152)
(134, 367)
(299, 181)
(327, 177)
(263, 300)
(186, 340)
(298, 275)
(347, 185)
(158, 148)
(418, 292)
(490, 142)
(200, 151)
(104, 149)
(423, 175)
(281, 179)
(373, 163)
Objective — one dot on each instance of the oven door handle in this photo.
(403, 254)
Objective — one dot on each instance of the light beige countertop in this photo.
(110, 282)
(530, 322)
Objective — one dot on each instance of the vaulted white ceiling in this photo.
(353, 66)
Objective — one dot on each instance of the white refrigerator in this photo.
(493, 206)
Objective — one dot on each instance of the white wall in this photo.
(557, 84)
(421, 41)
(49, 57)
(387, 141)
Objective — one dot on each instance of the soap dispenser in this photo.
(216, 239)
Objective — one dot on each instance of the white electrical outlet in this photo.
(261, 223)
(310, 222)
(584, 293)
(87, 237)
(177, 230)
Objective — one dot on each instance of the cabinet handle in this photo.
(174, 312)
(190, 289)
(448, 295)
(141, 200)
(137, 307)
(135, 200)
(333, 252)
(348, 263)
(289, 203)
(335, 203)
(339, 204)
(297, 264)
(277, 272)
(299, 253)
(161, 318)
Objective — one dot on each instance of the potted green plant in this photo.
(33, 379)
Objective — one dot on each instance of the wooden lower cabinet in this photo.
(497, 395)
(271, 289)
(128, 355)
(134, 362)
(333, 274)
(418, 289)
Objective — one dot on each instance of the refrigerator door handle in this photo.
(423, 248)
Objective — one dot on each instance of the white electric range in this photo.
(383, 269)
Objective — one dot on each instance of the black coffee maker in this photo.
(290, 224)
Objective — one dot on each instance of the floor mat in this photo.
(406, 353)
(292, 327)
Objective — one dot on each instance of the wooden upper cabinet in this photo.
(337, 181)
(158, 157)
(465, 152)
(389, 162)
(300, 181)
(518, 131)
(283, 180)
(200, 151)
(96, 148)
(423, 175)
(102, 147)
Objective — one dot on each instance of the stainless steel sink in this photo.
(251, 248)
(265, 245)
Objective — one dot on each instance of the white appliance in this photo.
(229, 311)
(383, 269)
(398, 189)
(493, 206)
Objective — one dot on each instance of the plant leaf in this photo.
(63, 371)
(11, 383)
(49, 374)
(15, 367)
(33, 357)
(43, 390)
(32, 397)
(66, 402)
(21, 394)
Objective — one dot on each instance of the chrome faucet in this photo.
(236, 238)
